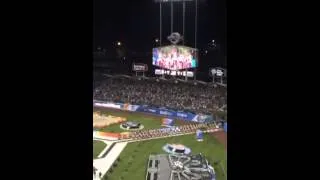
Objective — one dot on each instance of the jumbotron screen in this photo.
(175, 57)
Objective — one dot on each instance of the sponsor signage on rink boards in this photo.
(139, 67)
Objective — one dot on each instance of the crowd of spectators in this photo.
(178, 96)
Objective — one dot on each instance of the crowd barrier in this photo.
(183, 115)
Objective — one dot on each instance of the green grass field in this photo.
(133, 159)
(98, 146)
(147, 121)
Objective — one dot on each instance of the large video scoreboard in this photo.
(175, 57)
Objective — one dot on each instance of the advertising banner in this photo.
(173, 73)
(202, 118)
(108, 105)
(129, 107)
(187, 116)
(139, 67)
(217, 72)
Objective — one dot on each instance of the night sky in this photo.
(136, 23)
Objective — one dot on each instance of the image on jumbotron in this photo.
(159, 90)
(174, 57)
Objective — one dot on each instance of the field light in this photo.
(119, 43)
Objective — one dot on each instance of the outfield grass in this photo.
(98, 146)
(147, 121)
(133, 159)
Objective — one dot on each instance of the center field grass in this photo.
(133, 160)
(98, 146)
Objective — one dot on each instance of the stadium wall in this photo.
(187, 116)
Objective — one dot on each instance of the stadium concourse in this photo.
(200, 98)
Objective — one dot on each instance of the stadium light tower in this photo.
(183, 14)
(183, 23)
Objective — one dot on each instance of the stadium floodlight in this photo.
(119, 43)
(157, 40)
(213, 43)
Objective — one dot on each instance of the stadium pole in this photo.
(172, 24)
(183, 16)
(160, 23)
(183, 31)
(171, 17)
(196, 25)
(161, 29)
(195, 35)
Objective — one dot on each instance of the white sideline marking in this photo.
(109, 145)
(104, 164)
